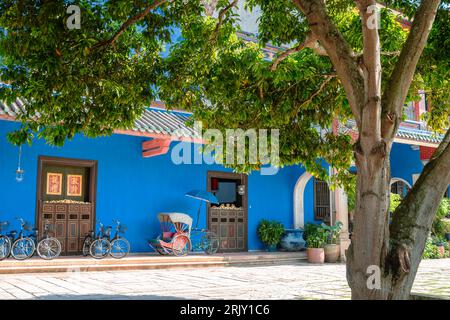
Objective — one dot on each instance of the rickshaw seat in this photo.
(168, 235)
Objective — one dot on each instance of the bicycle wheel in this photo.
(86, 246)
(5, 247)
(210, 243)
(49, 248)
(100, 248)
(23, 248)
(120, 247)
(181, 245)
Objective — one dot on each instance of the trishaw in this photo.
(175, 234)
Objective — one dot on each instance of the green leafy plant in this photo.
(443, 209)
(332, 232)
(447, 226)
(316, 236)
(309, 229)
(395, 201)
(270, 232)
(439, 228)
(431, 250)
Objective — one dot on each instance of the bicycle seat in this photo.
(12, 232)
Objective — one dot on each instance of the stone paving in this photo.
(294, 281)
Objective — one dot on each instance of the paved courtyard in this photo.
(295, 281)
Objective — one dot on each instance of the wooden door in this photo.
(229, 219)
(66, 199)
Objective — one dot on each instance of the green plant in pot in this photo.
(331, 248)
(316, 238)
(270, 232)
(447, 230)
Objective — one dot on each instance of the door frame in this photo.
(60, 161)
(243, 178)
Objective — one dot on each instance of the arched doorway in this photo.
(400, 186)
(321, 202)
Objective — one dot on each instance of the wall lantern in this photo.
(241, 189)
(19, 172)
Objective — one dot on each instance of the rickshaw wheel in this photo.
(181, 245)
(161, 251)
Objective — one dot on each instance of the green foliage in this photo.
(439, 227)
(447, 226)
(315, 235)
(78, 82)
(443, 209)
(431, 250)
(71, 78)
(270, 232)
(395, 200)
(332, 232)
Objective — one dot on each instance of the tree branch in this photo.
(339, 51)
(310, 42)
(371, 65)
(315, 94)
(402, 75)
(129, 23)
(221, 18)
(412, 219)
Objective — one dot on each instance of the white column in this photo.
(342, 216)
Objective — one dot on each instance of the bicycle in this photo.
(88, 239)
(101, 246)
(208, 243)
(48, 247)
(120, 247)
(23, 247)
(5, 242)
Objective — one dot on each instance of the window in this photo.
(399, 187)
(321, 200)
(410, 111)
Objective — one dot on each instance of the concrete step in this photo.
(148, 261)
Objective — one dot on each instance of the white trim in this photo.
(299, 193)
(395, 179)
(415, 176)
(415, 142)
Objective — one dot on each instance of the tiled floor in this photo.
(295, 281)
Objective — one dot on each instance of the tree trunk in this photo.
(370, 232)
(394, 249)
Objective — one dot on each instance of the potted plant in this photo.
(316, 239)
(447, 230)
(270, 232)
(332, 248)
(440, 243)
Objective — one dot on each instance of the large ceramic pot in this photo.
(271, 248)
(447, 236)
(315, 255)
(292, 240)
(331, 253)
(441, 249)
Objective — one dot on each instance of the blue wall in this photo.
(134, 189)
(405, 161)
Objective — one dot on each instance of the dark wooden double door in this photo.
(66, 200)
(229, 219)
